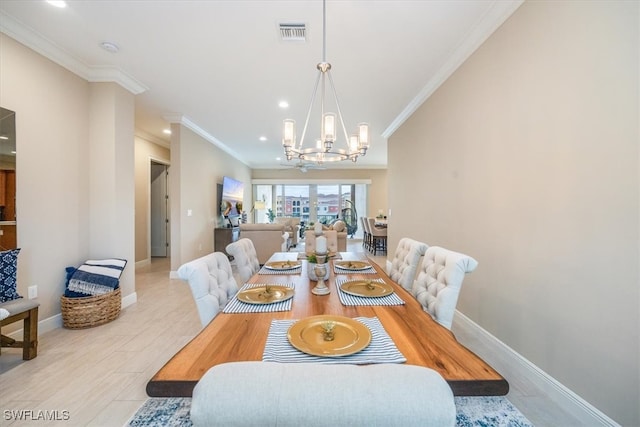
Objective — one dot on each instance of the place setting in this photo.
(261, 298)
(366, 292)
(351, 267)
(330, 339)
(281, 267)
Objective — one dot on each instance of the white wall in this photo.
(197, 166)
(58, 223)
(527, 159)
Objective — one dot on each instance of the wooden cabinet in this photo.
(8, 237)
(7, 195)
(223, 236)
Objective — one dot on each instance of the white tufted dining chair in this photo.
(405, 261)
(310, 241)
(439, 280)
(245, 256)
(212, 284)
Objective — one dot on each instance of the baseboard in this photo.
(130, 299)
(517, 366)
(143, 263)
(173, 275)
(55, 321)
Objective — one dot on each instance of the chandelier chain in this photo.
(324, 151)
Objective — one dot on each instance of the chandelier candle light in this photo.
(325, 151)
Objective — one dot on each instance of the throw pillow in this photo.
(339, 226)
(8, 270)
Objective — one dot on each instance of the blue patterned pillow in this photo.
(8, 270)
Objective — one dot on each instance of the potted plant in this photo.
(311, 266)
(271, 215)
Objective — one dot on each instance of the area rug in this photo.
(494, 411)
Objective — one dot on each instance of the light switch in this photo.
(189, 212)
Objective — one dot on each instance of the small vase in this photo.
(312, 273)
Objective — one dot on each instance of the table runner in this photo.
(347, 299)
(237, 306)
(381, 349)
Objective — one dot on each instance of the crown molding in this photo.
(95, 74)
(493, 18)
(186, 122)
(152, 138)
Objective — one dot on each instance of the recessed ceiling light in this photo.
(278, 159)
(263, 138)
(110, 47)
(57, 3)
(167, 131)
(283, 104)
(4, 137)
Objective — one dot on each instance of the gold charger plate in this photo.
(352, 265)
(366, 288)
(349, 336)
(262, 295)
(282, 265)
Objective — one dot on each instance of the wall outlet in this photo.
(33, 292)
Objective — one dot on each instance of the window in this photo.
(315, 202)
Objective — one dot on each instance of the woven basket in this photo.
(87, 312)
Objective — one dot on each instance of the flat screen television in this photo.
(232, 196)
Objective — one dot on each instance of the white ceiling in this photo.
(220, 68)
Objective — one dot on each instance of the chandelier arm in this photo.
(322, 92)
(306, 121)
(335, 96)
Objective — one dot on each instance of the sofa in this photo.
(266, 238)
(341, 228)
(291, 226)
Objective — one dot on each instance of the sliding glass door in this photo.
(311, 203)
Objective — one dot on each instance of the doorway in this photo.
(159, 210)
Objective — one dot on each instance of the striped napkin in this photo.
(348, 299)
(237, 306)
(294, 270)
(339, 270)
(380, 350)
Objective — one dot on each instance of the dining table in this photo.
(403, 331)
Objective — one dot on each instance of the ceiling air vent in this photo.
(293, 32)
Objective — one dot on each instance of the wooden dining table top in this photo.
(232, 337)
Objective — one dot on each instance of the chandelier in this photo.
(324, 149)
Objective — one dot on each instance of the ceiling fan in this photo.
(304, 166)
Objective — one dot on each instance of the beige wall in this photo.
(57, 225)
(377, 196)
(527, 159)
(145, 152)
(197, 166)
